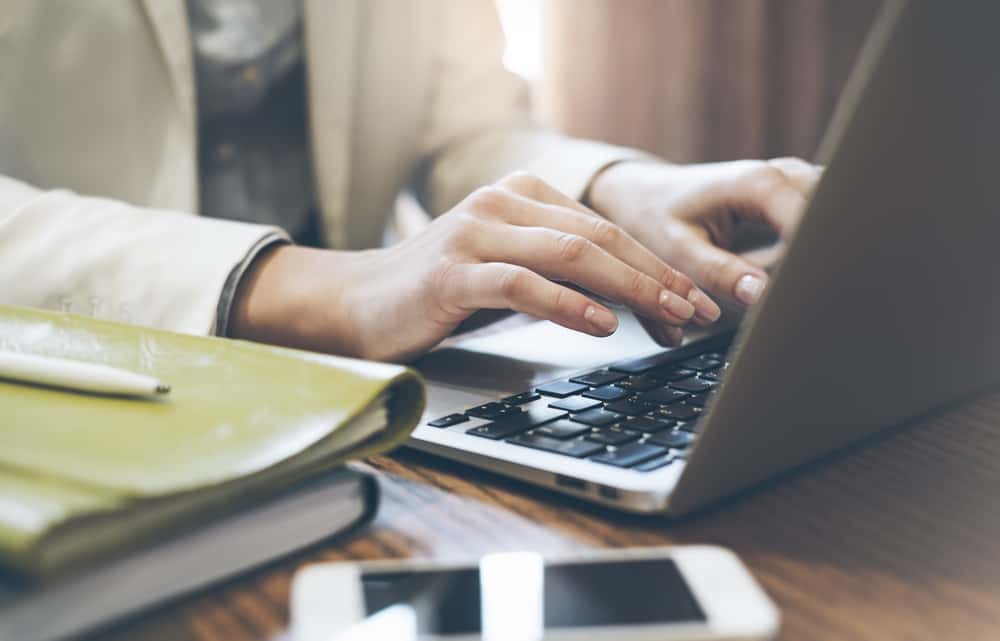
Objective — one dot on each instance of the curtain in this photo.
(699, 80)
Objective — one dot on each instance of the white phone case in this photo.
(328, 604)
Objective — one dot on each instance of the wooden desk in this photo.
(899, 539)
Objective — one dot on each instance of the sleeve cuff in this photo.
(235, 276)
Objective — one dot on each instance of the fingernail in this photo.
(676, 305)
(749, 288)
(707, 309)
(602, 319)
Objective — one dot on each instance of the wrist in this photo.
(262, 302)
(601, 191)
(286, 299)
(616, 192)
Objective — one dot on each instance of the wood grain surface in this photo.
(895, 539)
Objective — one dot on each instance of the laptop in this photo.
(886, 305)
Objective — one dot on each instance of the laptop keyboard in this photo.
(640, 414)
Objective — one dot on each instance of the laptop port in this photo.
(570, 482)
(607, 492)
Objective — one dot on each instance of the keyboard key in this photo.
(510, 425)
(599, 378)
(631, 407)
(543, 404)
(674, 440)
(575, 404)
(703, 363)
(639, 383)
(679, 412)
(648, 425)
(578, 448)
(561, 429)
(613, 436)
(488, 411)
(608, 393)
(448, 421)
(657, 463)
(521, 399)
(663, 396)
(629, 455)
(670, 373)
(642, 365)
(690, 426)
(693, 385)
(715, 376)
(560, 389)
(699, 400)
(596, 418)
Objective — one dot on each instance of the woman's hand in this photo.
(687, 213)
(508, 246)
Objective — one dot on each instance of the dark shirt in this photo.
(254, 160)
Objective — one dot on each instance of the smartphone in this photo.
(684, 593)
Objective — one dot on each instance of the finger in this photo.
(664, 335)
(535, 188)
(504, 286)
(804, 176)
(786, 197)
(523, 211)
(562, 256)
(725, 275)
(784, 209)
(775, 198)
(610, 237)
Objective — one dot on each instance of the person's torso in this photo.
(254, 163)
(100, 97)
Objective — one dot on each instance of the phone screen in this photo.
(615, 593)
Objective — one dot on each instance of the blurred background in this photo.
(689, 80)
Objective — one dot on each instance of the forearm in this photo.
(610, 186)
(297, 297)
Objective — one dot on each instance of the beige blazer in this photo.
(98, 143)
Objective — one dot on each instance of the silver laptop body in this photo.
(885, 306)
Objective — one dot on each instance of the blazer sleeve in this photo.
(480, 125)
(100, 257)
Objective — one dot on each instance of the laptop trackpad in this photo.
(519, 353)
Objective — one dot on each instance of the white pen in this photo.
(78, 375)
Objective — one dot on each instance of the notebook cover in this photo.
(236, 409)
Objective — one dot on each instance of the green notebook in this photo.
(82, 475)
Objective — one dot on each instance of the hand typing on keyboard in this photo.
(692, 215)
(500, 248)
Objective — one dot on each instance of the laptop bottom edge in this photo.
(623, 499)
